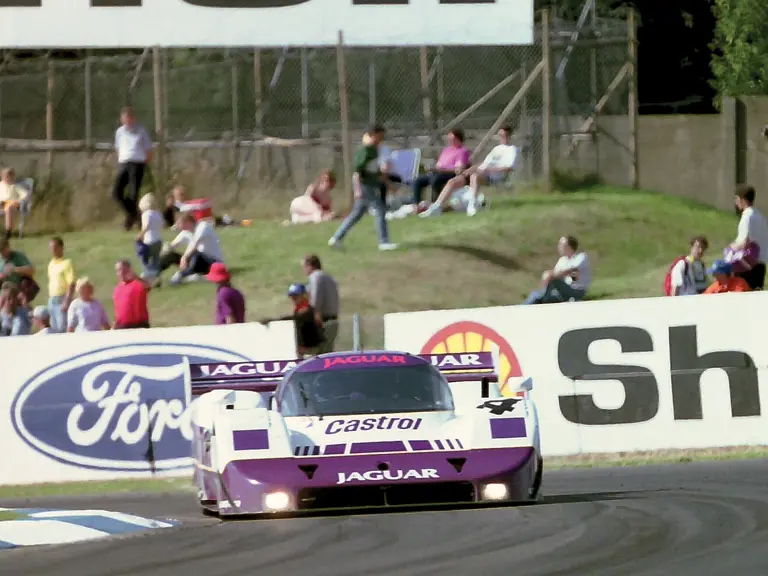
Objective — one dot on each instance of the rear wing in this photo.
(264, 376)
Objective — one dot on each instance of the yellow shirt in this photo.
(61, 275)
(12, 193)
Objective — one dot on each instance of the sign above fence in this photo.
(263, 23)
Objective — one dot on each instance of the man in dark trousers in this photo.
(134, 151)
(309, 335)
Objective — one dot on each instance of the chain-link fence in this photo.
(248, 123)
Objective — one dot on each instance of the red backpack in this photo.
(668, 277)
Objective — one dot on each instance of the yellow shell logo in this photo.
(463, 337)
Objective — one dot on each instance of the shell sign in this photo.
(462, 337)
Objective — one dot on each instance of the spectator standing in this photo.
(150, 238)
(14, 316)
(61, 285)
(324, 299)
(366, 182)
(230, 303)
(309, 336)
(725, 281)
(454, 159)
(753, 228)
(12, 196)
(202, 250)
(41, 320)
(689, 274)
(134, 151)
(568, 280)
(86, 313)
(130, 299)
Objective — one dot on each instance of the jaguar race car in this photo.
(360, 429)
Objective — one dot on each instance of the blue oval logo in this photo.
(122, 408)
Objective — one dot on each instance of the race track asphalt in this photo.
(697, 518)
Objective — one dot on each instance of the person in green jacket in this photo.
(366, 182)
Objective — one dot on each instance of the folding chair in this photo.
(405, 163)
(26, 206)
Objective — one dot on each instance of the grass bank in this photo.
(446, 262)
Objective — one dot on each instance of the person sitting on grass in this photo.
(14, 316)
(202, 250)
(689, 274)
(230, 304)
(41, 320)
(315, 204)
(12, 196)
(494, 169)
(178, 203)
(568, 280)
(725, 281)
(309, 335)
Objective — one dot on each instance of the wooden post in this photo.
(440, 86)
(49, 136)
(88, 102)
(593, 86)
(258, 127)
(235, 109)
(425, 99)
(159, 168)
(344, 112)
(372, 88)
(304, 93)
(633, 112)
(546, 96)
(165, 83)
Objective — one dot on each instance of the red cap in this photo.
(218, 273)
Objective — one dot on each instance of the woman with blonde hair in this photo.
(86, 313)
(315, 204)
(12, 195)
(149, 242)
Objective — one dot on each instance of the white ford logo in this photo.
(120, 408)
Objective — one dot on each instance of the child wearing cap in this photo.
(309, 335)
(725, 281)
(41, 320)
(230, 304)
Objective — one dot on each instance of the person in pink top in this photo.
(454, 159)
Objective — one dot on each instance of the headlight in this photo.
(495, 492)
(277, 501)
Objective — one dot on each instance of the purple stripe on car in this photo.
(420, 445)
(508, 428)
(439, 445)
(334, 449)
(297, 451)
(449, 444)
(315, 450)
(250, 439)
(306, 450)
(459, 444)
(370, 447)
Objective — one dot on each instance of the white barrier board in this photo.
(621, 375)
(84, 406)
(263, 23)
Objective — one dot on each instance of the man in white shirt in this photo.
(689, 275)
(494, 169)
(202, 250)
(568, 280)
(752, 228)
(134, 151)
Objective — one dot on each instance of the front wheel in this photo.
(535, 491)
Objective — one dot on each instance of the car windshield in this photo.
(366, 391)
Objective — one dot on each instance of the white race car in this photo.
(360, 429)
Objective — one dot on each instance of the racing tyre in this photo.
(536, 487)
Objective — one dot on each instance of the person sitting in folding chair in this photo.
(493, 170)
(12, 196)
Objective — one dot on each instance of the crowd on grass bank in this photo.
(196, 253)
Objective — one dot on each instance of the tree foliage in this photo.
(740, 48)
